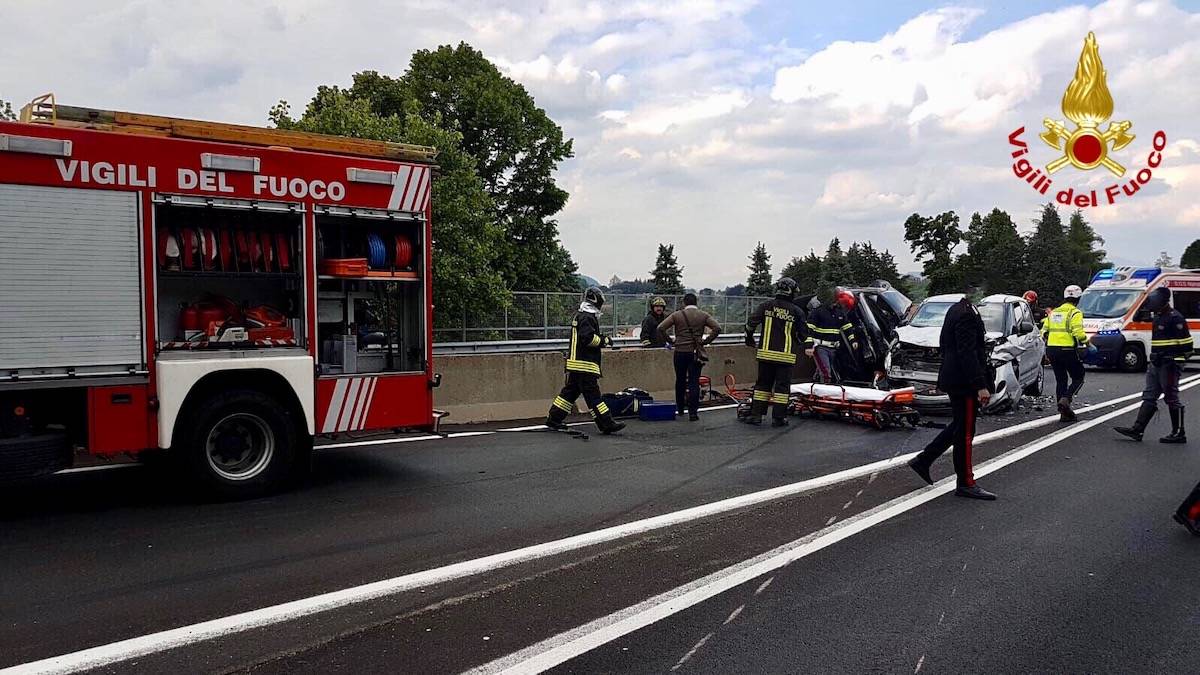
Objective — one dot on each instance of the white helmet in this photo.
(1073, 291)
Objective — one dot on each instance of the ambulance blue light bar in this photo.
(1103, 275)
(1147, 274)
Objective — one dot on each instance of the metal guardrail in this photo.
(525, 346)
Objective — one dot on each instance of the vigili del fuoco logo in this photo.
(1087, 104)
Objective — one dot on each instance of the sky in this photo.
(708, 124)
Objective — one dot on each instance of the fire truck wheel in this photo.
(241, 444)
(32, 456)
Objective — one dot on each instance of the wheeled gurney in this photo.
(879, 408)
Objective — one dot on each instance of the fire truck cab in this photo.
(214, 293)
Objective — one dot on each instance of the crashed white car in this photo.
(1017, 351)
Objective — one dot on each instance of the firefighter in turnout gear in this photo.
(1066, 342)
(1170, 346)
(583, 368)
(651, 336)
(782, 335)
(828, 328)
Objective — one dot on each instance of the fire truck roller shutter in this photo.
(70, 279)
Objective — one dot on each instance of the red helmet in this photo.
(844, 298)
(1030, 297)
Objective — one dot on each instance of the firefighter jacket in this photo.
(651, 336)
(782, 330)
(1063, 327)
(586, 342)
(826, 326)
(1171, 338)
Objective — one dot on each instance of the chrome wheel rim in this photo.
(239, 447)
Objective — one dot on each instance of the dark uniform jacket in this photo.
(586, 342)
(1170, 338)
(826, 326)
(964, 357)
(651, 337)
(782, 332)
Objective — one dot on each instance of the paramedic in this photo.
(689, 341)
(650, 335)
(782, 333)
(828, 327)
(1066, 343)
(1170, 346)
(963, 376)
(583, 368)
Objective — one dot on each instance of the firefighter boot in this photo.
(1145, 414)
(1177, 435)
(1065, 414)
(779, 421)
(607, 424)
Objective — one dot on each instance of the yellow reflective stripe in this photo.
(827, 331)
(602, 408)
(766, 335)
(583, 366)
(778, 357)
(848, 326)
(1166, 343)
(562, 403)
(779, 398)
(787, 340)
(762, 395)
(574, 340)
(595, 341)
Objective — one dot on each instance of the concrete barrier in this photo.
(498, 387)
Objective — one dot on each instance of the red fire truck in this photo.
(217, 294)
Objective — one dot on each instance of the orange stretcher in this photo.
(879, 408)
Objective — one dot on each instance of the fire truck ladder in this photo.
(44, 110)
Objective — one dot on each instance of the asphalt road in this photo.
(1077, 567)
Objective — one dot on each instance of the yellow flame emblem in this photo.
(1088, 103)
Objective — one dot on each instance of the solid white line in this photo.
(571, 644)
(123, 650)
(98, 467)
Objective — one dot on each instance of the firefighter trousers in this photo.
(772, 388)
(961, 434)
(589, 386)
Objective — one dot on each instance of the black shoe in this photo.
(693, 417)
(1186, 522)
(923, 471)
(613, 428)
(1065, 414)
(779, 421)
(974, 492)
(557, 426)
(1131, 432)
(1173, 438)
(751, 419)
(1177, 435)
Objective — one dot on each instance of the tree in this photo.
(805, 271)
(467, 240)
(759, 281)
(835, 271)
(1049, 273)
(667, 274)
(735, 291)
(995, 256)
(6, 111)
(933, 239)
(1164, 260)
(517, 146)
(1085, 258)
(1191, 256)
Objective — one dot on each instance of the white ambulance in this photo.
(1113, 315)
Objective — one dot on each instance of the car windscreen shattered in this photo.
(1106, 303)
(993, 317)
(931, 314)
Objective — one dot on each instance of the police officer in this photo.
(651, 336)
(782, 334)
(1066, 341)
(1170, 345)
(828, 328)
(583, 368)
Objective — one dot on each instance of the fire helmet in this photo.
(844, 298)
(785, 288)
(1030, 297)
(1073, 292)
(594, 296)
(658, 302)
(1157, 299)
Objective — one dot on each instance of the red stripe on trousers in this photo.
(969, 432)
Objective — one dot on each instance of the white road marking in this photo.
(124, 650)
(98, 467)
(692, 652)
(920, 662)
(764, 586)
(941, 618)
(830, 521)
(573, 643)
(847, 504)
(734, 615)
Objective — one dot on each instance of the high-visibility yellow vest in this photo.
(1063, 327)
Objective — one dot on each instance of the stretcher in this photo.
(877, 407)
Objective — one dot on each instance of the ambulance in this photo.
(1115, 321)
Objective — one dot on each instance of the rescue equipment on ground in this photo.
(879, 408)
(628, 402)
(656, 411)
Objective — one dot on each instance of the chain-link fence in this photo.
(547, 316)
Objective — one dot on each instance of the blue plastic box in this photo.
(656, 412)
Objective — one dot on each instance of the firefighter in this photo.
(828, 327)
(583, 368)
(1038, 313)
(1170, 346)
(782, 334)
(651, 336)
(1066, 343)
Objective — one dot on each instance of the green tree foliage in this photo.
(1191, 256)
(759, 282)
(467, 240)
(805, 271)
(1050, 266)
(933, 239)
(835, 270)
(667, 275)
(995, 256)
(1085, 258)
(868, 265)
(6, 111)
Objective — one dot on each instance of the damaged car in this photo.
(1016, 351)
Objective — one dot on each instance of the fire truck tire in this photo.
(239, 444)
(32, 456)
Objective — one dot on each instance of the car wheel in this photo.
(1035, 387)
(1133, 358)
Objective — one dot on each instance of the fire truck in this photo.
(216, 295)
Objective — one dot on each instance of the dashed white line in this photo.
(692, 652)
(764, 586)
(830, 521)
(734, 615)
(847, 504)
(920, 662)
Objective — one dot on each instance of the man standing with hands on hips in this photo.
(964, 377)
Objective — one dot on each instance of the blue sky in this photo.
(709, 124)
